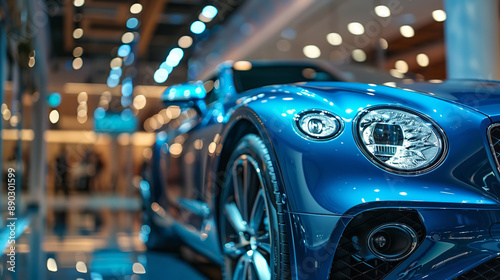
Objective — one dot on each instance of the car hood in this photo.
(482, 96)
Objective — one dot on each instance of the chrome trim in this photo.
(492, 146)
(402, 227)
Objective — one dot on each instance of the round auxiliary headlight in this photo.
(400, 141)
(392, 241)
(318, 124)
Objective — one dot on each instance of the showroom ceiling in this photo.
(308, 22)
(90, 32)
(161, 24)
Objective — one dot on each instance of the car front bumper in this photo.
(456, 241)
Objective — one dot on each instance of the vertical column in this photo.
(3, 65)
(38, 159)
(472, 39)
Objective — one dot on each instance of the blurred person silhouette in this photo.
(60, 226)
(87, 171)
(61, 172)
(97, 164)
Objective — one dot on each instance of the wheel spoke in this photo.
(247, 185)
(266, 247)
(264, 243)
(240, 185)
(261, 266)
(234, 250)
(233, 214)
(258, 212)
(242, 267)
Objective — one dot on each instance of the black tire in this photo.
(252, 226)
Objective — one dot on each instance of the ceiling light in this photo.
(116, 72)
(139, 102)
(82, 97)
(77, 63)
(401, 66)
(160, 76)
(112, 82)
(382, 11)
(423, 60)
(78, 3)
(116, 62)
(14, 120)
(124, 50)
(197, 27)
(439, 15)
(81, 120)
(356, 28)
(334, 39)
(51, 265)
(209, 11)
(81, 113)
(127, 37)
(127, 87)
(185, 42)
(136, 8)
(78, 51)
(383, 43)
(407, 31)
(358, 55)
(132, 23)
(311, 51)
(174, 57)
(54, 99)
(82, 107)
(54, 116)
(78, 33)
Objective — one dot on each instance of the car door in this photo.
(185, 156)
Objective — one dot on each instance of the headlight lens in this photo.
(318, 124)
(399, 140)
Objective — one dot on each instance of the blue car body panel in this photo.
(325, 184)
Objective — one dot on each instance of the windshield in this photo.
(259, 76)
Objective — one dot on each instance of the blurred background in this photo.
(81, 82)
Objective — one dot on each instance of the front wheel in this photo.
(252, 227)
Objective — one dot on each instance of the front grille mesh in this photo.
(352, 262)
(495, 143)
(489, 270)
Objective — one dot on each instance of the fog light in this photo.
(392, 242)
(318, 124)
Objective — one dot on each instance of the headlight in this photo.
(400, 141)
(318, 124)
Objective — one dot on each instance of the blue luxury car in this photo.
(288, 171)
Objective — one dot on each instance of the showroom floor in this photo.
(95, 238)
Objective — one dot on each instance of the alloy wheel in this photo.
(245, 223)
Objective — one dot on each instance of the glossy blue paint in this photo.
(328, 173)
(326, 183)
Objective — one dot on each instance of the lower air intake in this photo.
(352, 258)
(489, 270)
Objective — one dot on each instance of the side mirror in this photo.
(186, 95)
